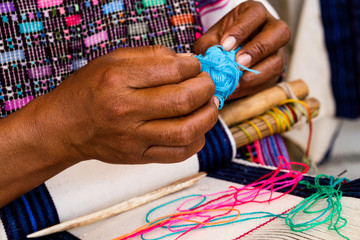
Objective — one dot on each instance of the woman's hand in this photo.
(261, 36)
(135, 105)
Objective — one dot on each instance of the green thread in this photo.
(153, 3)
(331, 214)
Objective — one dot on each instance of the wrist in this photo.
(35, 130)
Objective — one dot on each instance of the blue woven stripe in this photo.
(216, 145)
(9, 222)
(38, 210)
(339, 38)
(217, 150)
(31, 212)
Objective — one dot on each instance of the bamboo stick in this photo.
(259, 103)
(121, 207)
(241, 139)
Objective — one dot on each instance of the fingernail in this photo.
(216, 101)
(229, 43)
(244, 60)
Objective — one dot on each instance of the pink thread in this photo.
(233, 197)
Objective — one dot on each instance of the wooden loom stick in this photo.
(241, 139)
(259, 103)
(121, 207)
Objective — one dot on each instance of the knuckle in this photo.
(259, 50)
(255, 7)
(183, 101)
(185, 134)
(278, 63)
(284, 30)
(109, 76)
(258, 8)
(214, 116)
(241, 30)
(178, 67)
(248, 79)
(161, 49)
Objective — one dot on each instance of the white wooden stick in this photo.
(121, 207)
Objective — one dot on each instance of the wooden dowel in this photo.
(121, 207)
(259, 103)
(241, 139)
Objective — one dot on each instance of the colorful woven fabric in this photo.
(265, 151)
(44, 41)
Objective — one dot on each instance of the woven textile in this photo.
(341, 20)
(265, 151)
(31, 212)
(44, 41)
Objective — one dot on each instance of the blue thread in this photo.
(223, 69)
(29, 211)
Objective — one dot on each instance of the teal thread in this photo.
(330, 214)
(223, 69)
(265, 215)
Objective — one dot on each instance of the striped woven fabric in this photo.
(341, 21)
(31, 212)
(265, 151)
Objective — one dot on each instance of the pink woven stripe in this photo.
(48, 3)
(17, 103)
(73, 20)
(96, 39)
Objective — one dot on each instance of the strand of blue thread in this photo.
(223, 70)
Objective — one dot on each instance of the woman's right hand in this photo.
(134, 105)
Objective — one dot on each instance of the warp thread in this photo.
(218, 211)
(223, 70)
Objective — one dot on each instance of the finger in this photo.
(181, 131)
(210, 38)
(274, 35)
(247, 19)
(164, 154)
(145, 51)
(270, 70)
(176, 99)
(156, 71)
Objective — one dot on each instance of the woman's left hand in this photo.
(262, 38)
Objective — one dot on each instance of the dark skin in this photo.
(263, 38)
(133, 106)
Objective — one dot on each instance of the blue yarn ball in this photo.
(223, 70)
